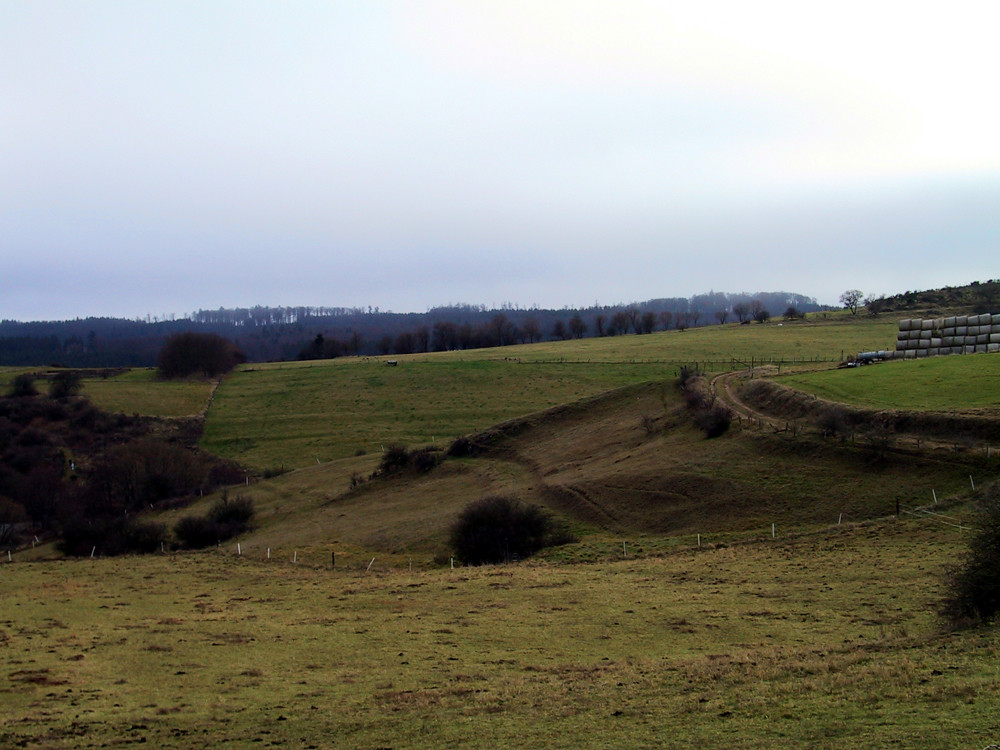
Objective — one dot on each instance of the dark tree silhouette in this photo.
(207, 354)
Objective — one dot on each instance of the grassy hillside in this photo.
(294, 414)
(822, 635)
(135, 391)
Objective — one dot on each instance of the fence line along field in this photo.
(828, 641)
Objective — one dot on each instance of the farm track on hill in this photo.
(726, 385)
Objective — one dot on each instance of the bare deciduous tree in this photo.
(851, 299)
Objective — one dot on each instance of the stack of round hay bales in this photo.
(961, 334)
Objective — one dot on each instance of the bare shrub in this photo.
(499, 529)
(833, 422)
(973, 586)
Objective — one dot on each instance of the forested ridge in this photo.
(285, 333)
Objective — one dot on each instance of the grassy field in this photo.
(294, 414)
(933, 384)
(135, 391)
(828, 641)
(141, 392)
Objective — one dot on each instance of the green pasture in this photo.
(297, 413)
(134, 391)
(816, 339)
(959, 382)
(139, 391)
(828, 641)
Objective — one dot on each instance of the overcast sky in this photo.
(161, 157)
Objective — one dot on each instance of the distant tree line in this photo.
(287, 333)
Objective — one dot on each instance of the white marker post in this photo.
(934, 492)
(973, 481)
(239, 549)
(773, 532)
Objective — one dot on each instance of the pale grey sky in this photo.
(160, 157)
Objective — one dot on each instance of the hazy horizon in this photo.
(163, 157)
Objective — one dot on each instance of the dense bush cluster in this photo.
(712, 418)
(500, 529)
(206, 354)
(70, 470)
(973, 587)
(226, 519)
(398, 458)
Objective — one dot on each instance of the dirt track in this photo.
(725, 387)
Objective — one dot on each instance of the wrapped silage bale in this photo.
(945, 350)
(970, 349)
(961, 330)
(993, 348)
(932, 352)
(995, 338)
(911, 354)
(958, 350)
(905, 325)
(996, 319)
(927, 325)
(981, 349)
(949, 322)
(970, 340)
(915, 334)
(961, 320)
(983, 338)
(936, 343)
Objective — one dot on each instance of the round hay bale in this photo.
(905, 325)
